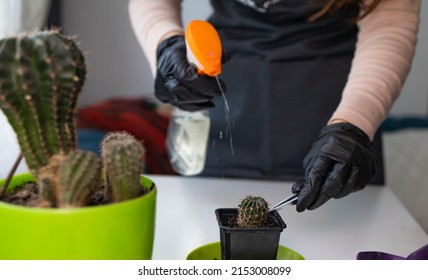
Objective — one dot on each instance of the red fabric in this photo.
(137, 117)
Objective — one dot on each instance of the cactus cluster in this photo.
(41, 77)
(253, 212)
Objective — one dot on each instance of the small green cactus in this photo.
(253, 212)
(123, 157)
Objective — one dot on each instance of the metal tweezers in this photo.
(285, 202)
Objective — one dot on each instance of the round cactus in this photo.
(253, 212)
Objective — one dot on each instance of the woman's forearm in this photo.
(153, 21)
(383, 57)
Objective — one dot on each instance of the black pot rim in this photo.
(278, 224)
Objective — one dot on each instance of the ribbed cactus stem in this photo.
(48, 179)
(123, 157)
(41, 75)
(79, 178)
(253, 212)
(67, 116)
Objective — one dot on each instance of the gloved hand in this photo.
(178, 83)
(340, 162)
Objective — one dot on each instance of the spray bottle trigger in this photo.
(204, 48)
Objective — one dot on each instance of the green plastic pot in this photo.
(119, 231)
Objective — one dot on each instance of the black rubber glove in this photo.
(340, 162)
(178, 83)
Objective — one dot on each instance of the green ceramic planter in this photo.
(212, 251)
(110, 232)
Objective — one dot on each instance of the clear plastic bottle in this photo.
(187, 141)
(188, 132)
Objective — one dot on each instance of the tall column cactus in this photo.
(123, 157)
(41, 75)
(253, 212)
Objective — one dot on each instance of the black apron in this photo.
(284, 80)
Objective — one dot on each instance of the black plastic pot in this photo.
(248, 243)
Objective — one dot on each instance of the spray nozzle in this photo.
(204, 48)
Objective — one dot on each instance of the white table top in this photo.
(369, 220)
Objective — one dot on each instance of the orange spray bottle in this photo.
(188, 132)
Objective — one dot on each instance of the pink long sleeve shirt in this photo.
(383, 56)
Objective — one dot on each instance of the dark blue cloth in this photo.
(90, 139)
(394, 123)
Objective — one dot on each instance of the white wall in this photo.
(116, 66)
(16, 16)
(414, 97)
(9, 149)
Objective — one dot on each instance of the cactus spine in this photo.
(253, 212)
(123, 157)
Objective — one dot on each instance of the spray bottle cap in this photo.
(203, 47)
